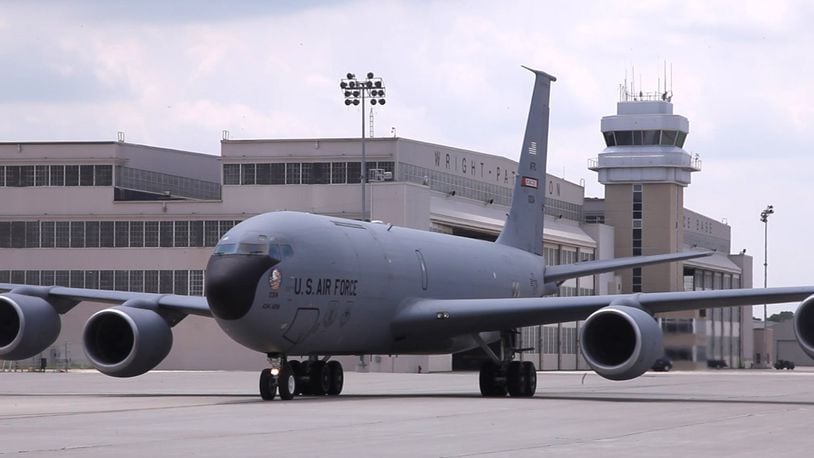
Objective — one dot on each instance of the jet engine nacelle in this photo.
(126, 341)
(28, 325)
(620, 342)
(804, 325)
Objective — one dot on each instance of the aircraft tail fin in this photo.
(524, 225)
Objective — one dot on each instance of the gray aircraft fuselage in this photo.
(333, 286)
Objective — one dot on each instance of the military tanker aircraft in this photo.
(295, 284)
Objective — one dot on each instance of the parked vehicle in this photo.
(716, 364)
(781, 364)
(663, 364)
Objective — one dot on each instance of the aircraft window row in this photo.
(645, 137)
(56, 175)
(163, 184)
(112, 234)
(184, 282)
(300, 172)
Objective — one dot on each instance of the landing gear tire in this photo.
(299, 368)
(490, 385)
(337, 378)
(287, 382)
(268, 385)
(531, 378)
(516, 379)
(319, 376)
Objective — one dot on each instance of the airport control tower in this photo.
(644, 169)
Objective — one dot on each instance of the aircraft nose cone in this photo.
(231, 282)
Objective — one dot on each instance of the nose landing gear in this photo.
(313, 377)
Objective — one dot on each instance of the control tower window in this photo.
(668, 137)
(609, 140)
(650, 137)
(680, 139)
(624, 137)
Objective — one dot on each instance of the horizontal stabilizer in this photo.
(563, 272)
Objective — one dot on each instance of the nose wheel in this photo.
(288, 379)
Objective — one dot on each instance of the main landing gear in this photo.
(502, 375)
(313, 377)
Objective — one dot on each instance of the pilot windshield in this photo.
(249, 248)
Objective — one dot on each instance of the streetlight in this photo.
(764, 218)
(355, 90)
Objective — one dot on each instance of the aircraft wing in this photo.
(450, 317)
(190, 305)
(563, 272)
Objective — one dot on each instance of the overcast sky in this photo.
(176, 74)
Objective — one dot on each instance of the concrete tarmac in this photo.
(709, 413)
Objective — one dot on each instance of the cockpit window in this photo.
(280, 251)
(256, 249)
(225, 248)
(252, 249)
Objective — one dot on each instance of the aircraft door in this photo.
(422, 265)
(305, 322)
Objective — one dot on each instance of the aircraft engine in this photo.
(126, 341)
(621, 342)
(28, 325)
(804, 325)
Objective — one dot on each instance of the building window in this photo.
(292, 173)
(107, 234)
(32, 234)
(307, 173)
(41, 175)
(263, 173)
(165, 231)
(339, 172)
(77, 234)
(46, 234)
(137, 234)
(92, 234)
(85, 175)
(57, 175)
(182, 233)
(165, 280)
(277, 174)
(63, 234)
(321, 172)
(27, 175)
(196, 233)
(231, 174)
(354, 172)
(71, 175)
(150, 281)
(137, 281)
(181, 285)
(247, 174)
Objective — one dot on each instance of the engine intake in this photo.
(621, 342)
(804, 325)
(28, 325)
(126, 341)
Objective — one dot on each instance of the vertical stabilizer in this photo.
(524, 225)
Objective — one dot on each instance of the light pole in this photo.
(764, 218)
(355, 91)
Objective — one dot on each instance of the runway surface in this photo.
(710, 413)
